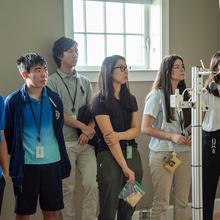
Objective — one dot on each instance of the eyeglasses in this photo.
(178, 67)
(122, 68)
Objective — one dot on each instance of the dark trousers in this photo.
(211, 171)
(111, 180)
(2, 187)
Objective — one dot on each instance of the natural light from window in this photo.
(135, 29)
(106, 28)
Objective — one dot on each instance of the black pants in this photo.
(111, 180)
(2, 187)
(211, 171)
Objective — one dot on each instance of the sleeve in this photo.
(98, 107)
(134, 104)
(2, 113)
(9, 126)
(152, 105)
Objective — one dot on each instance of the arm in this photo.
(105, 126)
(9, 126)
(133, 132)
(147, 128)
(71, 122)
(4, 156)
(83, 138)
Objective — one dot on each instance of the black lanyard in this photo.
(73, 100)
(181, 120)
(38, 125)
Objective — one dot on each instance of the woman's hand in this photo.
(88, 131)
(6, 175)
(129, 174)
(111, 138)
(189, 141)
(178, 139)
(83, 139)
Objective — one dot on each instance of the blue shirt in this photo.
(30, 131)
(1, 123)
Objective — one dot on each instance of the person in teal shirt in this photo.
(33, 131)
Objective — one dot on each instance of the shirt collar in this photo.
(25, 93)
(64, 75)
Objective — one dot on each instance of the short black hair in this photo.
(29, 60)
(61, 45)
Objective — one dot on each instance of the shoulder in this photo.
(154, 95)
(14, 96)
(153, 103)
(1, 101)
(133, 98)
(52, 76)
(98, 98)
(53, 95)
(98, 102)
(83, 79)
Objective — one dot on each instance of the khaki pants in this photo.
(82, 157)
(163, 181)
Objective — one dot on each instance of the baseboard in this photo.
(170, 211)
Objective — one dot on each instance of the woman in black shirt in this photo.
(117, 124)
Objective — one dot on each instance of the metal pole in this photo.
(197, 206)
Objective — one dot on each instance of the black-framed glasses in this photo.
(122, 68)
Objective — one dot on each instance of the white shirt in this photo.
(211, 121)
(154, 107)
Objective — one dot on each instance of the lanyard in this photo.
(73, 100)
(38, 125)
(181, 120)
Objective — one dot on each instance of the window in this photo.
(132, 28)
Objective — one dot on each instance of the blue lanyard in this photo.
(38, 125)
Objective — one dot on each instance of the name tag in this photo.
(73, 116)
(39, 151)
(129, 152)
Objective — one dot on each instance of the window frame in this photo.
(135, 74)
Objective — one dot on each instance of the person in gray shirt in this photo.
(170, 151)
(75, 91)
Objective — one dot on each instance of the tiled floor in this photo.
(216, 216)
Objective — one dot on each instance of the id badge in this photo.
(39, 151)
(73, 116)
(129, 152)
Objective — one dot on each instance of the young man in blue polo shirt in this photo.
(33, 131)
(3, 154)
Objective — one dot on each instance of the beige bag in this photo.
(171, 162)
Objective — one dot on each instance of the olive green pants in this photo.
(111, 180)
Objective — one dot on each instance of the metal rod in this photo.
(197, 83)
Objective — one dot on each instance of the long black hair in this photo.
(163, 82)
(106, 88)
